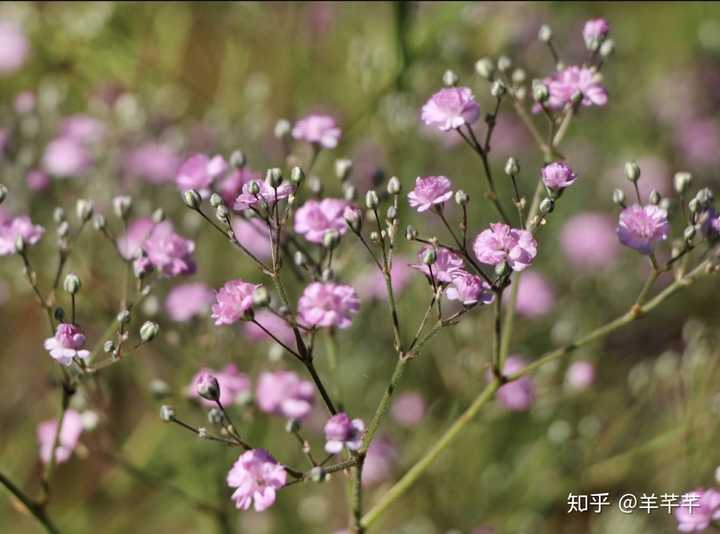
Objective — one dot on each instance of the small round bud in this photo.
(461, 198)
(394, 187)
(207, 387)
(202, 432)
(429, 256)
(607, 48)
(450, 78)
(349, 192)
(689, 233)
(501, 268)
(282, 128)
(215, 200)
(485, 68)
(343, 168)
(292, 425)
(19, 245)
(618, 197)
(391, 213)
(540, 91)
(254, 188)
(215, 416)
(83, 210)
(705, 197)
(694, 205)
(352, 218)
(315, 185)
(519, 76)
(410, 233)
(331, 239)
(682, 181)
(122, 206)
(498, 89)
(59, 315)
(297, 175)
(299, 259)
(317, 474)
(192, 198)
(63, 230)
(58, 215)
(109, 346)
(123, 317)
(512, 168)
(632, 171)
(238, 159)
(374, 237)
(222, 213)
(260, 297)
(72, 284)
(167, 413)
(274, 177)
(3, 193)
(371, 200)
(545, 33)
(148, 331)
(546, 206)
(99, 221)
(158, 216)
(655, 197)
(504, 63)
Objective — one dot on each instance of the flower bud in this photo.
(99, 221)
(317, 474)
(3, 193)
(371, 200)
(394, 187)
(607, 48)
(123, 317)
(694, 205)
(689, 233)
(632, 171)
(148, 331)
(705, 197)
(343, 168)
(238, 159)
(682, 181)
(512, 168)
(167, 413)
(498, 89)
(546, 206)
(58, 215)
(540, 91)
(315, 185)
(618, 197)
(519, 76)
(260, 297)
(485, 68)
(274, 177)
(19, 245)
(501, 268)
(215, 416)
(109, 346)
(410, 233)
(72, 284)
(59, 315)
(192, 198)
(655, 197)
(222, 213)
(254, 188)
(349, 192)
(292, 425)
(83, 210)
(461, 198)
(374, 237)
(297, 175)
(504, 63)
(202, 432)
(391, 213)
(545, 33)
(282, 128)
(215, 200)
(352, 218)
(207, 387)
(450, 78)
(63, 230)
(122, 206)
(429, 256)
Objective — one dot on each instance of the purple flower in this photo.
(18, 227)
(580, 375)
(65, 157)
(697, 510)
(170, 253)
(317, 129)
(535, 295)
(563, 85)
(72, 427)
(500, 243)
(519, 395)
(408, 409)
(430, 191)
(379, 462)
(132, 241)
(234, 386)
(231, 186)
(257, 476)
(711, 224)
(14, 47)
(199, 171)
(155, 162)
(188, 300)
(234, 302)
(277, 326)
(469, 289)
(266, 195)
(371, 284)
(37, 180)
(82, 128)
(445, 267)
(207, 387)
(595, 32)
(285, 394)
(326, 304)
(589, 240)
(451, 108)
(254, 235)
(558, 175)
(67, 344)
(341, 432)
(315, 218)
(640, 227)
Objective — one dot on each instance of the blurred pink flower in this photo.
(430, 191)
(169, 252)
(595, 32)
(155, 162)
(341, 431)
(234, 301)
(72, 427)
(408, 409)
(20, 227)
(589, 240)
(186, 301)
(82, 128)
(285, 394)
(698, 509)
(130, 243)
(198, 172)
(446, 265)
(37, 180)
(317, 129)
(500, 243)
(24, 102)
(536, 296)
(235, 386)
(326, 304)
(315, 218)
(254, 235)
(519, 395)
(257, 476)
(641, 227)
(14, 47)
(451, 108)
(67, 344)
(277, 326)
(266, 195)
(65, 157)
(580, 375)
(371, 283)
(379, 462)
(698, 141)
(231, 186)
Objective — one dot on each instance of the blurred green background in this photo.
(216, 76)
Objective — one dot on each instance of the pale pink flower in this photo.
(267, 195)
(558, 175)
(445, 267)
(20, 227)
(501, 243)
(589, 240)
(641, 227)
(371, 283)
(199, 171)
(341, 431)
(65, 157)
(563, 85)
(254, 235)
(186, 301)
(317, 129)
(131, 242)
(518, 395)
(595, 32)
(380, 461)
(169, 252)
(24, 102)
(82, 128)
(326, 304)
(450, 108)
(580, 375)
(67, 344)
(230, 187)
(469, 289)
(285, 394)
(72, 428)
(235, 386)
(37, 180)
(154, 162)
(257, 477)
(234, 302)
(14, 47)
(698, 509)
(430, 191)
(536, 296)
(408, 409)
(316, 218)
(277, 326)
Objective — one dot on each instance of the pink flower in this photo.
(315, 218)
(640, 227)
(67, 344)
(595, 32)
(535, 295)
(37, 180)
(371, 284)
(65, 157)
(501, 243)
(72, 427)
(254, 235)
(710, 221)
(317, 129)
(170, 253)
(20, 227)
(231, 186)
(445, 267)
(408, 409)
(266, 195)
(234, 302)
(82, 128)
(450, 108)
(519, 395)
(131, 243)
(571, 80)
(157, 163)
(698, 140)
(589, 240)
(379, 462)
(199, 171)
(14, 47)
(285, 394)
(24, 102)
(558, 175)
(274, 324)
(234, 386)
(326, 304)
(341, 432)
(188, 300)
(697, 510)
(430, 191)
(257, 476)
(469, 289)
(580, 375)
